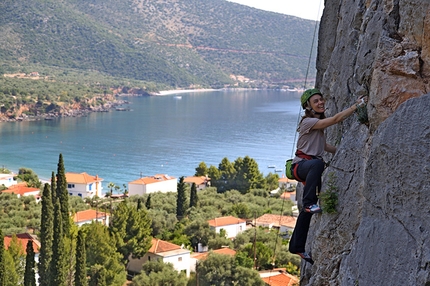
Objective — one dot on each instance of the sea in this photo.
(169, 134)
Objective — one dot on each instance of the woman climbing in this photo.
(308, 162)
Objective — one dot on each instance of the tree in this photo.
(30, 274)
(17, 254)
(199, 232)
(28, 176)
(131, 229)
(181, 199)
(63, 196)
(2, 261)
(100, 250)
(201, 170)
(139, 203)
(81, 259)
(58, 262)
(98, 276)
(248, 175)
(228, 173)
(148, 202)
(53, 188)
(46, 235)
(158, 273)
(193, 196)
(220, 269)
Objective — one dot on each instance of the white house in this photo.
(232, 225)
(153, 184)
(88, 216)
(202, 182)
(167, 252)
(7, 180)
(84, 185)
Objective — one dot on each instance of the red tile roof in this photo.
(82, 178)
(286, 180)
(23, 239)
(223, 251)
(89, 215)
(226, 220)
(159, 246)
(281, 279)
(20, 189)
(276, 220)
(154, 179)
(287, 195)
(196, 180)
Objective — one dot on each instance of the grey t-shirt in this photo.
(311, 141)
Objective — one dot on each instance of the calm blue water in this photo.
(161, 134)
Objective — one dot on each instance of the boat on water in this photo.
(271, 166)
(177, 97)
(278, 170)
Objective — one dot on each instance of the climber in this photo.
(311, 145)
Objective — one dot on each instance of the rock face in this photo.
(381, 232)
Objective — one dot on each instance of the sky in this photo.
(307, 9)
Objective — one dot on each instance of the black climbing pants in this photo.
(312, 171)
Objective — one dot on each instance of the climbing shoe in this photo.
(313, 209)
(306, 257)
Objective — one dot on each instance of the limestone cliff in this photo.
(381, 232)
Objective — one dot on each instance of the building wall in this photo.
(84, 189)
(162, 186)
(232, 230)
(181, 262)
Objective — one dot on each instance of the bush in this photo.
(329, 198)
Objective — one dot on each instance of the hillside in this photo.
(178, 44)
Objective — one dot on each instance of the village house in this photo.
(196, 257)
(290, 196)
(7, 180)
(167, 252)
(88, 216)
(232, 225)
(278, 278)
(202, 182)
(21, 190)
(84, 185)
(287, 184)
(153, 184)
(284, 223)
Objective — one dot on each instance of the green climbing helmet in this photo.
(307, 94)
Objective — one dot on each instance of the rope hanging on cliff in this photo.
(295, 133)
(306, 79)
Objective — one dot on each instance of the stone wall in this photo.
(381, 233)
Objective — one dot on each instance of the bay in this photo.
(169, 134)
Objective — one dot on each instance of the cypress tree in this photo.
(181, 199)
(46, 235)
(193, 196)
(2, 261)
(81, 258)
(58, 263)
(139, 203)
(29, 275)
(148, 202)
(63, 196)
(53, 188)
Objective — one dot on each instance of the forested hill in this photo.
(179, 43)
